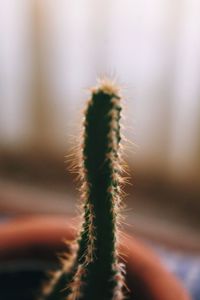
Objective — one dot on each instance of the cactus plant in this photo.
(93, 271)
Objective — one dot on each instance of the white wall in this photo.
(152, 47)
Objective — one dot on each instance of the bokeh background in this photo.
(50, 53)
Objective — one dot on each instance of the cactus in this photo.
(93, 271)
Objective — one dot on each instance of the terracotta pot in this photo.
(39, 238)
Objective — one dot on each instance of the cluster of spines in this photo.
(86, 256)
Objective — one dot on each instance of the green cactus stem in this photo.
(95, 272)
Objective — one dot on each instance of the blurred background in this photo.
(50, 53)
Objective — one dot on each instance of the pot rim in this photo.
(29, 236)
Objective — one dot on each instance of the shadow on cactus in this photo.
(93, 271)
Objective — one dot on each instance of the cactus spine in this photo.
(95, 272)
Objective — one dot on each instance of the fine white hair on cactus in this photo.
(106, 85)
